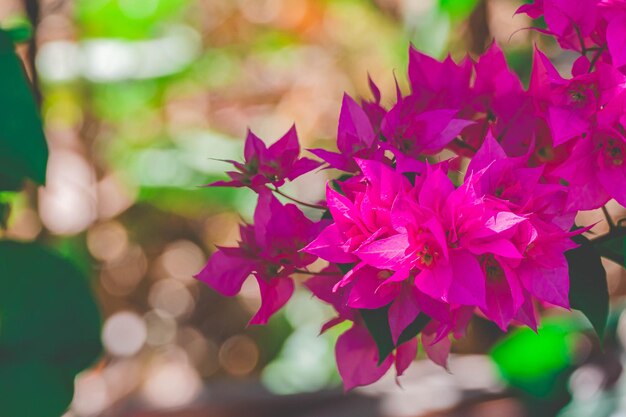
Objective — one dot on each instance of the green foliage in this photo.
(19, 29)
(49, 330)
(458, 9)
(533, 361)
(377, 322)
(23, 149)
(588, 288)
(125, 19)
(49, 321)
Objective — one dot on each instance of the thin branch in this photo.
(616, 233)
(461, 144)
(295, 200)
(33, 12)
(596, 57)
(608, 218)
(583, 48)
(323, 274)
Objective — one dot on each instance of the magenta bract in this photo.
(418, 237)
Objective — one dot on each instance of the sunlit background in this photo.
(139, 96)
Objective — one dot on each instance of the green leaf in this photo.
(345, 268)
(377, 323)
(49, 330)
(588, 288)
(533, 361)
(458, 9)
(5, 212)
(23, 149)
(20, 33)
(414, 328)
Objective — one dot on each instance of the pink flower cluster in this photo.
(413, 239)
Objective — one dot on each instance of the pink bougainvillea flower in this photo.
(271, 165)
(595, 170)
(572, 104)
(542, 237)
(374, 110)
(500, 104)
(269, 250)
(418, 133)
(414, 239)
(361, 215)
(572, 23)
(524, 189)
(355, 137)
(438, 85)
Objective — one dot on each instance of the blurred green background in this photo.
(137, 96)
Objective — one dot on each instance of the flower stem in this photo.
(295, 200)
(608, 218)
(595, 58)
(583, 48)
(303, 271)
(617, 232)
(461, 144)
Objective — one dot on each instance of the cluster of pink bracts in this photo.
(399, 235)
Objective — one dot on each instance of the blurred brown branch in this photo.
(33, 11)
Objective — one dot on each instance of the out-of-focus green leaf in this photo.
(19, 29)
(532, 361)
(5, 211)
(520, 61)
(377, 323)
(190, 202)
(430, 33)
(49, 330)
(23, 149)
(458, 9)
(588, 288)
(125, 19)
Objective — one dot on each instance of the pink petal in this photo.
(402, 312)
(547, 284)
(254, 148)
(357, 358)
(565, 124)
(501, 247)
(616, 39)
(527, 314)
(385, 253)
(435, 190)
(440, 128)
(468, 282)
(331, 323)
(405, 354)
(489, 152)
(327, 246)
(363, 293)
(226, 274)
(286, 149)
(439, 351)
(335, 160)
(435, 283)
(500, 308)
(301, 167)
(613, 177)
(274, 295)
(503, 221)
(355, 129)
